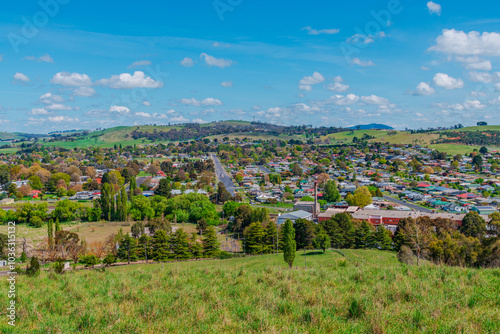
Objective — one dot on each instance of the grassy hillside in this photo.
(370, 292)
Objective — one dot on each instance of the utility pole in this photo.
(145, 253)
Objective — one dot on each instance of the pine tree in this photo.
(254, 238)
(50, 232)
(132, 187)
(58, 227)
(144, 248)
(364, 236)
(160, 246)
(383, 238)
(210, 243)
(127, 248)
(289, 242)
(180, 245)
(123, 205)
(271, 237)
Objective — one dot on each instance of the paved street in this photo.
(222, 175)
(264, 169)
(410, 205)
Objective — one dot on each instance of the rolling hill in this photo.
(352, 291)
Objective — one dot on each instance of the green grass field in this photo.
(370, 292)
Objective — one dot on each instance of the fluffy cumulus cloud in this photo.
(446, 81)
(21, 77)
(199, 120)
(71, 79)
(49, 98)
(362, 63)
(312, 31)
(84, 91)
(467, 105)
(121, 110)
(146, 103)
(128, 81)
(457, 42)
(306, 83)
(374, 100)
(187, 62)
(65, 119)
(209, 101)
(434, 8)
(217, 62)
(39, 111)
(475, 63)
(424, 88)
(485, 77)
(226, 84)
(341, 100)
(45, 58)
(338, 85)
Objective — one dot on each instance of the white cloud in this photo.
(71, 79)
(312, 31)
(474, 43)
(475, 63)
(66, 119)
(127, 81)
(38, 111)
(21, 77)
(199, 120)
(419, 114)
(209, 101)
(306, 83)
(363, 63)
(120, 110)
(467, 105)
(146, 103)
(341, 100)
(338, 86)
(49, 98)
(304, 107)
(58, 107)
(485, 77)
(46, 58)
(143, 114)
(187, 62)
(434, 8)
(375, 100)
(445, 81)
(140, 63)
(423, 88)
(84, 91)
(226, 84)
(218, 62)
(360, 39)
(497, 87)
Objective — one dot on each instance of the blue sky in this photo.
(68, 64)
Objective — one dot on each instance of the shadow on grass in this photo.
(311, 253)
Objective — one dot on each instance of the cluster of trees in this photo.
(165, 245)
(480, 138)
(341, 231)
(243, 215)
(475, 243)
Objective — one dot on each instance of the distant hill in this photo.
(372, 126)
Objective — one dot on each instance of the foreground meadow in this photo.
(367, 292)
